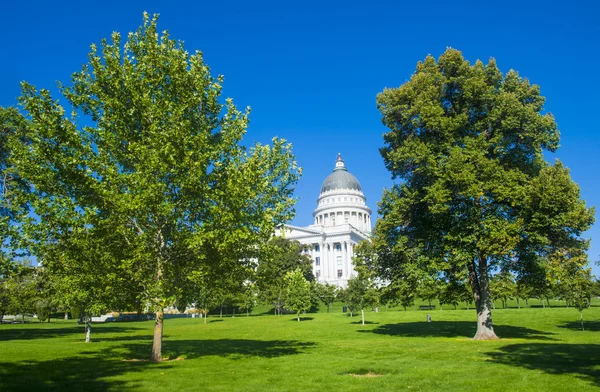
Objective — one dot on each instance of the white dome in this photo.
(341, 201)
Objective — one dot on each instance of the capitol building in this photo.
(341, 220)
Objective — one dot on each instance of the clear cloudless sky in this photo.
(310, 70)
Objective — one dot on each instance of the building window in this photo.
(339, 273)
(317, 261)
(338, 247)
(317, 249)
(317, 274)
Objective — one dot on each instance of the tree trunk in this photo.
(429, 302)
(526, 302)
(233, 310)
(581, 319)
(88, 329)
(363, 316)
(480, 285)
(158, 334)
(205, 317)
(66, 315)
(548, 300)
(221, 313)
(518, 303)
(298, 316)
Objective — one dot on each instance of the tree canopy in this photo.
(474, 192)
(147, 157)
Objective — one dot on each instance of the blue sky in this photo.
(311, 70)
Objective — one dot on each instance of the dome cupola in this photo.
(340, 178)
(341, 201)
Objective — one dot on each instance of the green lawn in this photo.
(540, 349)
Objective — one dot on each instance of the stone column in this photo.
(351, 254)
(346, 262)
(333, 254)
(333, 261)
(324, 261)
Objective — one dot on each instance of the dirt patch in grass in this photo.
(366, 373)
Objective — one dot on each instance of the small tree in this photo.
(326, 293)
(277, 258)
(451, 293)
(361, 293)
(22, 290)
(503, 287)
(246, 298)
(298, 296)
(428, 288)
(579, 297)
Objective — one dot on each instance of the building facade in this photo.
(341, 220)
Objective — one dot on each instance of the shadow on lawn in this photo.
(91, 370)
(231, 348)
(302, 318)
(581, 360)
(26, 333)
(88, 373)
(454, 329)
(366, 322)
(587, 325)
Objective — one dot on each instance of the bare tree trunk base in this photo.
(158, 333)
(485, 336)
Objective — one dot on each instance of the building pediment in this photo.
(293, 232)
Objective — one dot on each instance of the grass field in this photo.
(540, 349)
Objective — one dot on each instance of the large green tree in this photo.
(147, 149)
(466, 143)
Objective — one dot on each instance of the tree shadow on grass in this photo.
(302, 319)
(27, 333)
(88, 373)
(580, 360)
(230, 348)
(456, 329)
(587, 325)
(92, 370)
